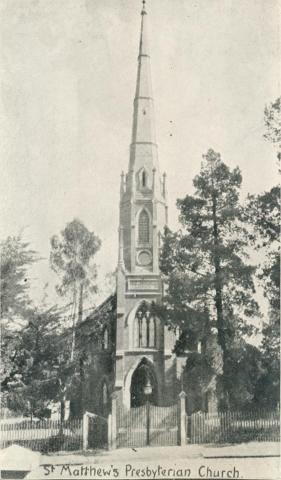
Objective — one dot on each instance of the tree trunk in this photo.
(218, 294)
(79, 315)
(62, 412)
(73, 324)
(80, 306)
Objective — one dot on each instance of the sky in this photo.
(68, 70)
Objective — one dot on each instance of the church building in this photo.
(133, 355)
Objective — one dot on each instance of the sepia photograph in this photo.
(139, 239)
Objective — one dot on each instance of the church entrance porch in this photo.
(145, 423)
(144, 386)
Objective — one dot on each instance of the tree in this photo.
(32, 361)
(263, 211)
(71, 258)
(205, 262)
(41, 368)
(16, 258)
(15, 304)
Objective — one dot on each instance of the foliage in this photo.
(245, 362)
(72, 259)
(205, 262)
(42, 369)
(27, 335)
(40, 362)
(31, 362)
(268, 387)
(71, 256)
(263, 211)
(272, 119)
(16, 258)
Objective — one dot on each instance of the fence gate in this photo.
(147, 425)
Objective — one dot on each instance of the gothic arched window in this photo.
(152, 332)
(143, 227)
(104, 394)
(105, 339)
(145, 328)
(104, 398)
(143, 178)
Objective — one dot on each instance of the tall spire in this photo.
(143, 114)
(143, 50)
(143, 143)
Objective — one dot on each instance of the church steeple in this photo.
(143, 200)
(143, 150)
(143, 215)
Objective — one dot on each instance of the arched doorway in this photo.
(143, 376)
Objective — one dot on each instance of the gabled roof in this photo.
(104, 313)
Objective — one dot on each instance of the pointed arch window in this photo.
(104, 394)
(145, 328)
(143, 227)
(104, 399)
(105, 339)
(143, 178)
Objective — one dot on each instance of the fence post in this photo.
(85, 430)
(113, 421)
(182, 419)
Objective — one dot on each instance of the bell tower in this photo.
(143, 215)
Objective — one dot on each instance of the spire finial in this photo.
(143, 12)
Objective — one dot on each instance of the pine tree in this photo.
(205, 263)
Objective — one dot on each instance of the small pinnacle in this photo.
(143, 12)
